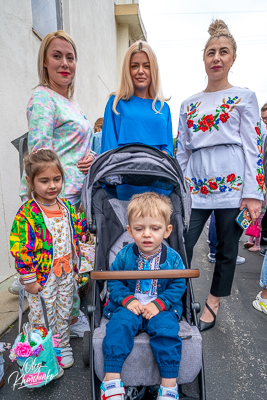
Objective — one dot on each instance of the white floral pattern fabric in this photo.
(220, 147)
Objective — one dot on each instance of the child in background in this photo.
(260, 303)
(97, 136)
(253, 243)
(154, 305)
(44, 242)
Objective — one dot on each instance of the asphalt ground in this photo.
(234, 350)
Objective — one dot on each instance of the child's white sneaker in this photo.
(16, 286)
(59, 374)
(167, 393)
(67, 359)
(260, 304)
(81, 326)
(113, 390)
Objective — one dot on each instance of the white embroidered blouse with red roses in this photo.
(220, 147)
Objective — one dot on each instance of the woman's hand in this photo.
(85, 164)
(33, 287)
(253, 206)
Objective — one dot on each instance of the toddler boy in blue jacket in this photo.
(150, 304)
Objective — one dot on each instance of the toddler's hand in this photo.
(150, 310)
(136, 307)
(33, 287)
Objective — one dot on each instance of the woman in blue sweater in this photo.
(137, 112)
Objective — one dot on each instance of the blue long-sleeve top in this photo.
(137, 122)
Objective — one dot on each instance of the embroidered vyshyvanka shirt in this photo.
(146, 289)
(220, 147)
(59, 124)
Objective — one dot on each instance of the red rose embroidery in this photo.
(260, 180)
(224, 117)
(213, 185)
(191, 189)
(204, 190)
(208, 120)
(203, 127)
(257, 131)
(190, 123)
(230, 177)
(225, 106)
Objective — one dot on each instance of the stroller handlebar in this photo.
(157, 274)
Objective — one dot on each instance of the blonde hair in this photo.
(98, 124)
(264, 107)
(149, 203)
(42, 70)
(126, 88)
(217, 29)
(36, 161)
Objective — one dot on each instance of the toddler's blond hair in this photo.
(149, 203)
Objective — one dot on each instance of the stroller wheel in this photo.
(86, 347)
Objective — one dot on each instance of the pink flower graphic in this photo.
(23, 349)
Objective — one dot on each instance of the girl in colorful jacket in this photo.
(44, 242)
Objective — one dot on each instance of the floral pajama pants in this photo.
(58, 296)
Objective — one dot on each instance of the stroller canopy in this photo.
(139, 165)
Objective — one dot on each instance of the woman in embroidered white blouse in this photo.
(220, 153)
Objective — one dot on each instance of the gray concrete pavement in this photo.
(234, 350)
(9, 306)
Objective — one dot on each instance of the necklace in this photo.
(211, 91)
(47, 205)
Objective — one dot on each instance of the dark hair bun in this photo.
(217, 26)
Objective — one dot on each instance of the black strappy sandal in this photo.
(204, 326)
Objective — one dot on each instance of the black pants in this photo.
(264, 226)
(228, 234)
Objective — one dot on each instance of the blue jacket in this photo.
(170, 291)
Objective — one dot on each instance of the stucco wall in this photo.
(93, 27)
(18, 49)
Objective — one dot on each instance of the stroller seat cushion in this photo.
(140, 368)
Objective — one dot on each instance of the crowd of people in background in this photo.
(219, 148)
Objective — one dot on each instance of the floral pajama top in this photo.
(220, 147)
(59, 124)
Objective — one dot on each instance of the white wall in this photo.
(93, 27)
(18, 49)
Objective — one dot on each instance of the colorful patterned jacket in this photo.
(32, 245)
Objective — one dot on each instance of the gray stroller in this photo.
(112, 179)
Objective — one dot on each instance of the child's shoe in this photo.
(247, 245)
(113, 390)
(16, 286)
(212, 258)
(167, 393)
(81, 326)
(67, 359)
(263, 252)
(59, 374)
(255, 248)
(260, 304)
